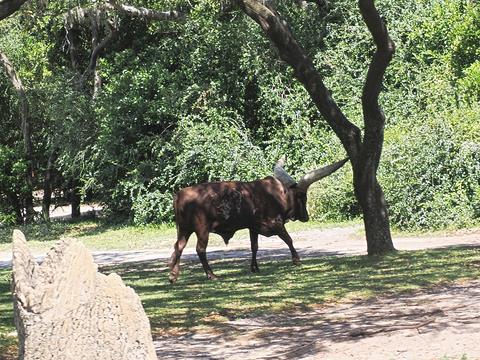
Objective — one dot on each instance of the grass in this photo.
(100, 235)
(280, 286)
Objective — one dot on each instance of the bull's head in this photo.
(297, 191)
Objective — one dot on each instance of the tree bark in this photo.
(364, 155)
(65, 309)
(26, 133)
(75, 199)
(144, 12)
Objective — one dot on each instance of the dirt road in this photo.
(443, 323)
(339, 241)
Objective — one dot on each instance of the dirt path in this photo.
(340, 241)
(443, 323)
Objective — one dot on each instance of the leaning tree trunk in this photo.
(26, 132)
(65, 309)
(368, 190)
(48, 186)
(364, 155)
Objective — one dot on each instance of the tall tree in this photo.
(7, 8)
(26, 133)
(104, 26)
(364, 152)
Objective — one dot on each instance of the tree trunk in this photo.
(364, 155)
(65, 309)
(75, 198)
(8, 7)
(375, 216)
(47, 187)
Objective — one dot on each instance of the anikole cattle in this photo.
(262, 206)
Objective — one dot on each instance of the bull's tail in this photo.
(175, 207)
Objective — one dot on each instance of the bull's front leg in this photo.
(202, 242)
(254, 245)
(285, 236)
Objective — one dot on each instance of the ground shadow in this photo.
(289, 293)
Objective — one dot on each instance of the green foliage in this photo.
(431, 173)
(469, 84)
(207, 99)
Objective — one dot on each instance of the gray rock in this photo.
(65, 309)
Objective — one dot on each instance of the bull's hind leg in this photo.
(202, 242)
(182, 238)
(254, 245)
(285, 236)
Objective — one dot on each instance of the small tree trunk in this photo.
(65, 309)
(46, 202)
(75, 198)
(47, 187)
(29, 211)
(375, 216)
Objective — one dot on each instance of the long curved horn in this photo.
(280, 173)
(315, 175)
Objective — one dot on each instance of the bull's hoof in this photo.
(172, 278)
(296, 261)
(254, 268)
(212, 276)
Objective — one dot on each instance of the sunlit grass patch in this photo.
(8, 341)
(281, 286)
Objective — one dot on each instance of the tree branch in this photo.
(97, 49)
(373, 115)
(8, 7)
(79, 17)
(144, 12)
(290, 51)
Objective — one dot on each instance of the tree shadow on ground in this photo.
(296, 334)
(281, 286)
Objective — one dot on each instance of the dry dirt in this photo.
(443, 323)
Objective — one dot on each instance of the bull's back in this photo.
(226, 206)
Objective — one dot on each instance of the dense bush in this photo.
(431, 172)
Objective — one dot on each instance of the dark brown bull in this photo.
(262, 206)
